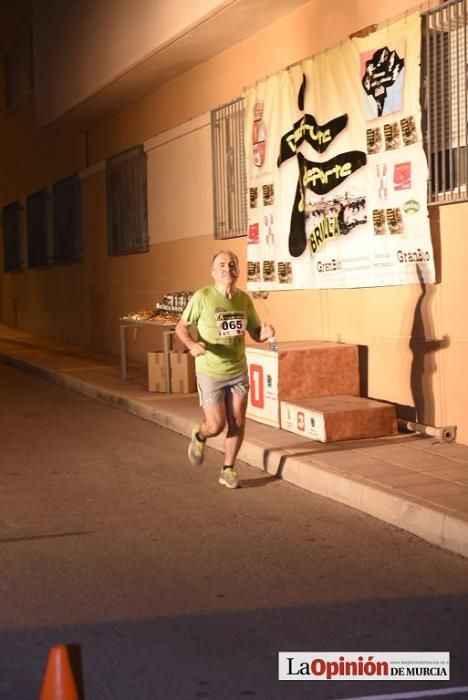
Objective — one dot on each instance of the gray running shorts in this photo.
(212, 390)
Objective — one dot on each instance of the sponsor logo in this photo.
(329, 266)
(412, 206)
(339, 666)
(402, 176)
(409, 256)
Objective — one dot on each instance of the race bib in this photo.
(230, 323)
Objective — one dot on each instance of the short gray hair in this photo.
(226, 252)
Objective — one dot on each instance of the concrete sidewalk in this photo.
(410, 481)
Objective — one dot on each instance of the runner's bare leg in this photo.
(214, 420)
(236, 406)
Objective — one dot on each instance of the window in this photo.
(66, 198)
(229, 174)
(444, 66)
(12, 237)
(37, 229)
(127, 222)
(18, 64)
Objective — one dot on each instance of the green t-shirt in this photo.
(222, 324)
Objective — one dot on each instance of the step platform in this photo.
(296, 369)
(334, 418)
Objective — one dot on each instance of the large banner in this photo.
(337, 175)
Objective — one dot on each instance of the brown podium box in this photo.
(296, 369)
(333, 418)
(317, 368)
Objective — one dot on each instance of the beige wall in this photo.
(179, 162)
(417, 342)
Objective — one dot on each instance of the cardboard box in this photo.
(297, 369)
(183, 380)
(333, 418)
(156, 373)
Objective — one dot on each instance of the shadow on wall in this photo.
(423, 346)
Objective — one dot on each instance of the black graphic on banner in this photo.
(297, 231)
(301, 94)
(382, 71)
(320, 178)
(319, 136)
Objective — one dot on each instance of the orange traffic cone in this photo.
(58, 683)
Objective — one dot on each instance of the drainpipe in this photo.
(444, 433)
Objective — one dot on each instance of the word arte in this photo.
(337, 171)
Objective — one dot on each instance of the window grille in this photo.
(37, 229)
(11, 237)
(444, 67)
(18, 64)
(66, 198)
(127, 202)
(229, 173)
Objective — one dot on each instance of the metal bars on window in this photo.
(38, 229)
(229, 173)
(127, 202)
(444, 61)
(11, 237)
(67, 221)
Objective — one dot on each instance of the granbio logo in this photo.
(329, 265)
(418, 255)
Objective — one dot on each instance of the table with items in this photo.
(164, 315)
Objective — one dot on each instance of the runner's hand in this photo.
(198, 349)
(266, 331)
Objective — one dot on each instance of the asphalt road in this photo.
(171, 587)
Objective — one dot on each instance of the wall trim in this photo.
(92, 170)
(195, 124)
(178, 132)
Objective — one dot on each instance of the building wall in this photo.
(416, 339)
(95, 42)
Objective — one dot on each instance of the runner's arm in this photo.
(183, 333)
